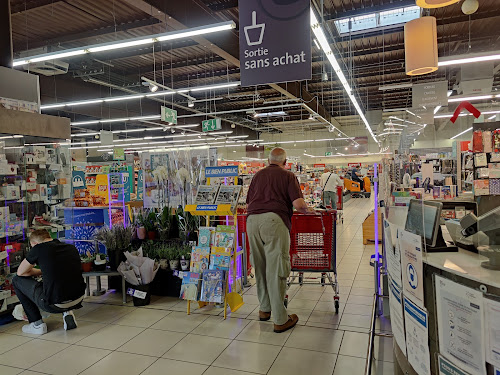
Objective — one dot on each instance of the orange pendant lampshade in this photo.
(421, 52)
(435, 3)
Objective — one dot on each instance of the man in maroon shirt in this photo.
(272, 195)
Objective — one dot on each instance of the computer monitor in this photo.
(423, 219)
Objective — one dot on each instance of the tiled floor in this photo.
(160, 338)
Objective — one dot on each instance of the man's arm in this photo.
(27, 269)
(301, 206)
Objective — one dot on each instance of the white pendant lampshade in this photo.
(421, 51)
(435, 3)
(470, 6)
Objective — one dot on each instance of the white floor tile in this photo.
(216, 326)
(152, 342)
(141, 318)
(85, 329)
(316, 339)
(212, 370)
(111, 337)
(8, 342)
(180, 322)
(6, 370)
(31, 353)
(257, 358)
(71, 360)
(292, 361)
(120, 363)
(168, 366)
(354, 344)
(106, 313)
(349, 365)
(198, 349)
(263, 332)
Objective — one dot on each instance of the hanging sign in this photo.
(168, 115)
(228, 171)
(275, 41)
(210, 125)
(328, 153)
(430, 95)
(459, 311)
(140, 184)
(118, 154)
(78, 180)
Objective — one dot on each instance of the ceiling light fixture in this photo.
(323, 41)
(153, 88)
(215, 87)
(469, 98)
(179, 34)
(459, 134)
(471, 58)
(190, 104)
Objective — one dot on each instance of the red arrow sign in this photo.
(465, 105)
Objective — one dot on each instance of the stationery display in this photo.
(212, 287)
(200, 258)
(206, 194)
(190, 288)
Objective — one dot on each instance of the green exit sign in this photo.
(210, 125)
(328, 153)
(169, 115)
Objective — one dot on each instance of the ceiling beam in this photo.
(370, 9)
(30, 4)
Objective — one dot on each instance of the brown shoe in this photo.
(292, 321)
(264, 316)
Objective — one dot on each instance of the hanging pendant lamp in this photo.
(421, 51)
(435, 3)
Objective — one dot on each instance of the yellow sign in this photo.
(102, 187)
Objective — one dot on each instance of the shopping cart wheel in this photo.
(301, 278)
(336, 307)
(286, 301)
(322, 279)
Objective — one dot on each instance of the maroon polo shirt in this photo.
(273, 189)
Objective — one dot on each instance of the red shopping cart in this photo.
(313, 250)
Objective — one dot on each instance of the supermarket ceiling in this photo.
(372, 56)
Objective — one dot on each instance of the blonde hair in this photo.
(40, 235)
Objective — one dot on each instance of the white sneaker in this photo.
(35, 330)
(69, 320)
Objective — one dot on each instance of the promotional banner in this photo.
(410, 246)
(140, 185)
(102, 187)
(397, 320)
(417, 337)
(78, 180)
(275, 41)
(459, 311)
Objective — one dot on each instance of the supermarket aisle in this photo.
(160, 338)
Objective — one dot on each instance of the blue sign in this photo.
(206, 207)
(78, 180)
(412, 276)
(229, 171)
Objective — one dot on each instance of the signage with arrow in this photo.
(211, 125)
(169, 115)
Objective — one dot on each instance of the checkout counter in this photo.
(464, 267)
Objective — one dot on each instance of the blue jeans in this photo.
(330, 196)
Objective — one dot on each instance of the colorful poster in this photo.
(492, 331)
(397, 319)
(118, 154)
(417, 337)
(410, 246)
(102, 187)
(459, 311)
(140, 184)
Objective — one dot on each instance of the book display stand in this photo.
(218, 215)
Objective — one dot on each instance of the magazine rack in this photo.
(211, 212)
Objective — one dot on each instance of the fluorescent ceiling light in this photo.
(238, 136)
(468, 60)
(436, 110)
(470, 98)
(221, 132)
(179, 34)
(323, 41)
(85, 122)
(399, 119)
(125, 97)
(115, 120)
(492, 117)
(186, 126)
(270, 114)
(316, 44)
(459, 134)
(214, 87)
(395, 87)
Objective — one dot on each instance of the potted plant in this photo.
(185, 257)
(117, 240)
(150, 225)
(173, 257)
(140, 222)
(87, 261)
(164, 223)
(163, 255)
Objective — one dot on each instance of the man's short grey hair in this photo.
(277, 155)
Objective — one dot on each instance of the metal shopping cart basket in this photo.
(313, 250)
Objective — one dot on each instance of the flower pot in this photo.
(141, 233)
(174, 264)
(87, 267)
(151, 235)
(163, 264)
(184, 264)
(115, 258)
(100, 266)
(142, 301)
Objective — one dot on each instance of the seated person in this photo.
(62, 288)
(356, 177)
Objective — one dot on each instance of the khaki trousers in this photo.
(269, 240)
